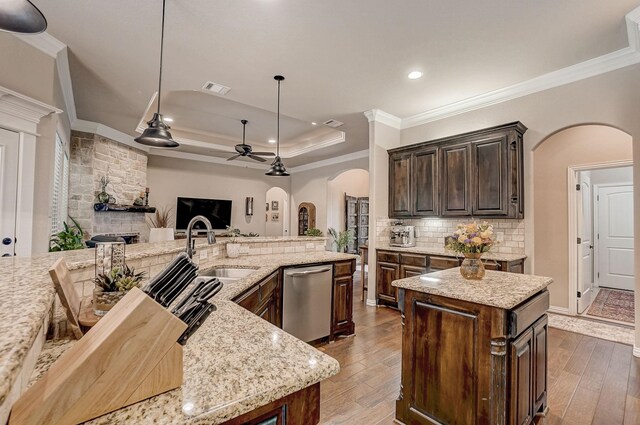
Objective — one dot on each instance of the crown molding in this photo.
(383, 117)
(108, 132)
(24, 108)
(332, 161)
(606, 63)
(333, 139)
(44, 42)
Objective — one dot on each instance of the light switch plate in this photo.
(500, 236)
(203, 254)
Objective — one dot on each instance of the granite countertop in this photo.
(491, 256)
(236, 361)
(496, 289)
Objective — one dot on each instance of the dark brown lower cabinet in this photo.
(461, 365)
(264, 299)
(342, 317)
(385, 274)
(299, 408)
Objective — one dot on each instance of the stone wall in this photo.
(431, 232)
(92, 157)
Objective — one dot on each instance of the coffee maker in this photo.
(402, 236)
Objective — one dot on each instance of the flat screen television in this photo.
(218, 211)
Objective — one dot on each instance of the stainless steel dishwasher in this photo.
(307, 302)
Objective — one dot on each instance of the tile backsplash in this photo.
(431, 232)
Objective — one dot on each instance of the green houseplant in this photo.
(70, 238)
(112, 286)
(341, 239)
(312, 231)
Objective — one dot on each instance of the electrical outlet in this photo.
(204, 254)
(500, 236)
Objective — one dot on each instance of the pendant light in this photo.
(157, 132)
(277, 167)
(21, 16)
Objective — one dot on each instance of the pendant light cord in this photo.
(278, 126)
(161, 52)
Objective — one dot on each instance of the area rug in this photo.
(593, 327)
(613, 304)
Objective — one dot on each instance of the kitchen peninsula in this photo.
(473, 352)
(237, 366)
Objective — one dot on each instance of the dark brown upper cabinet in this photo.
(473, 174)
(424, 190)
(400, 185)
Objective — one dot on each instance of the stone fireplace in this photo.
(92, 157)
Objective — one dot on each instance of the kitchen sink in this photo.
(232, 273)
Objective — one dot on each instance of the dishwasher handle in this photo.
(308, 272)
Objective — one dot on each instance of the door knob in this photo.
(6, 241)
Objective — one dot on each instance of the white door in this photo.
(615, 237)
(9, 141)
(585, 248)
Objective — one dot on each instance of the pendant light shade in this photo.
(277, 166)
(157, 132)
(21, 16)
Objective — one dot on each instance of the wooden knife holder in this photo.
(131, 354)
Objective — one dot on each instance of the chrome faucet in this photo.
(211, 236)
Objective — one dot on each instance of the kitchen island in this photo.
(473, 352)
(235, 365)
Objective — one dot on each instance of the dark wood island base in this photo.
(468, 363)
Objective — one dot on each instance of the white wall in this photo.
(622, 175)
(280, 227)
(169, 178)
(33, 73)
(351, 182)
(311, 186)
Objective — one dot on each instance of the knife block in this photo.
(131, 354)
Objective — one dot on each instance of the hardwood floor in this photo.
(591, 381)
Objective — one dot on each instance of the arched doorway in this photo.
(557, 161)
(348, 205)
(277, 212)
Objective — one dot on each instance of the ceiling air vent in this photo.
(333, 123)
(216, 88)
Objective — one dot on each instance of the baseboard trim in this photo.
(636, 351)
(371, 303)
(559, 310)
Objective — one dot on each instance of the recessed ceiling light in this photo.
(168, 119)
(272, 141)
(414, 75)
(314, 123)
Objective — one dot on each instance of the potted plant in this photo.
(68, 239)
(233, 248)
(472, 240)
(342, 239)
(159, 226)
(103, 196)
(313, 232)
(112, 286)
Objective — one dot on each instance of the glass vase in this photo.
(104, 301)
(472, 267)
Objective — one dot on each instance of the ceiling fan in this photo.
(245, 150)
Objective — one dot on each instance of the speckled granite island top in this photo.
(236, 362)
(497, 289)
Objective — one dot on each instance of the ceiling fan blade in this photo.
(256, 158)
(264, 153)
(233, 157)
